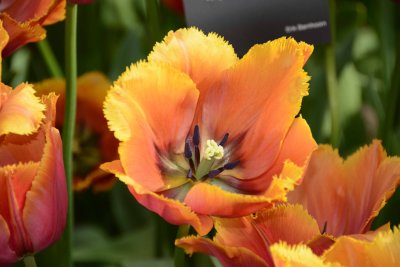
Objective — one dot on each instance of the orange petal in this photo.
(347, 196)
(228, 256)
(7, 255)
(202, 57)
(45, 210)
(21, 111)
(297, 256)
(268, 85)
(92, 90)
(56, 13)
(139, 96)
(296, 147)
(20, 33)
(136, 110)
(382, 251)
(204, 198)
(257, 232)
(173, 211)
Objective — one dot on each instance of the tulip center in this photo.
(212, 163)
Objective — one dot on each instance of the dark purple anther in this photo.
(188, 151)
(231, 165)
(196, 135)
(224, 139)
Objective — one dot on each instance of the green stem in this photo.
(180, 256)
(391, 102)
(29, 261)
(331, 81)
(153, 23)
(69, 119)
(50, 59)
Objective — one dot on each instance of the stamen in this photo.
(188, 151)
(231, 165)
(213, 150)
(190, 174)
(196, 142)
(214, 173)
(196, 135)
(224, 139)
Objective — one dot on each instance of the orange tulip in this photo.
(347, 195)
(91, 125)
(263, 239)
(343, 197)
(203, 133)
(24, 20)
(33, 194)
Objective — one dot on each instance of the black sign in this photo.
(247, 22)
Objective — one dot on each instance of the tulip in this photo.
(91, 125)
(202, 133)
(33, 194)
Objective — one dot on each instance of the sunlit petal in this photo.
(383, 250)
(21, 111)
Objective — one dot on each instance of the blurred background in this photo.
(354, 98)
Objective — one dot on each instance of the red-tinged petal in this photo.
(45, 209)
(205, 198)
(202, 57)
(320, 243)
(297, 256)
(7, 255)
(268, 85)
(173, 211)
(21, 111)
(15, 181)
(347, 196)
(20, 33)
(382, 251)
(22, 10)
(289, 223)
(228, 256)
(287, 169)
(257, 232)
